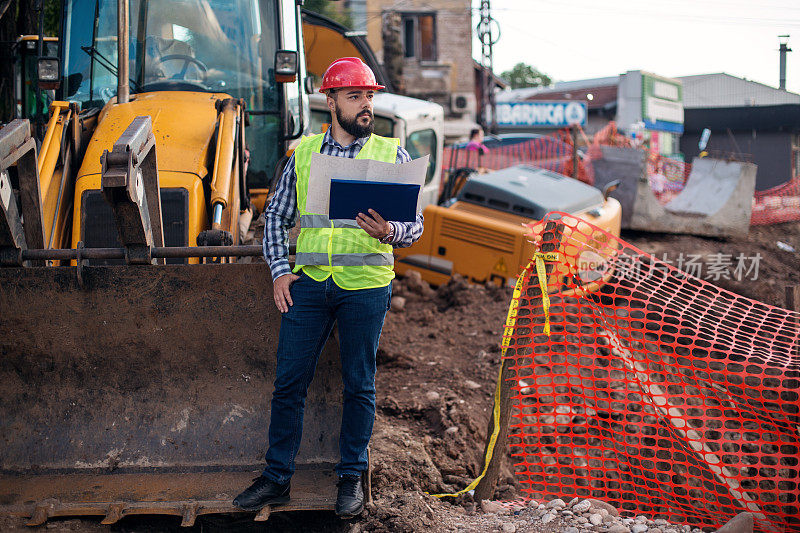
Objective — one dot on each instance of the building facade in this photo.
(428, 46)
(747, 120)
(641, 103)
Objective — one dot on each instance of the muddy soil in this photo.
(437, 364)
(776, 268)
(439, 359)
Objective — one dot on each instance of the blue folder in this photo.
(392, 201)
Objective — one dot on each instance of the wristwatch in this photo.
(389, 237)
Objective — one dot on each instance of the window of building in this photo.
(419, 36)
(795, 156)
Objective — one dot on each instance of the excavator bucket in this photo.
(145, 389)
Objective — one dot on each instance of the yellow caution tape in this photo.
(542, 275)
(511, 319)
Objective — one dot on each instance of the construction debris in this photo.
(716, 200)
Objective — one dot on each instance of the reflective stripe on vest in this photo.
(321, 221)
(368, 259)
(340, 247)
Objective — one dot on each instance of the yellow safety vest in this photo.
(339, 247)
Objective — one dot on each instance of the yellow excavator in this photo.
(137, 349)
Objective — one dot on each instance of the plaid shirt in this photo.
(282, 211)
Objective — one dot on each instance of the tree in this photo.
(524, 75)
(20, 17)
(328, 9)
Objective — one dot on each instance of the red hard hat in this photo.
(349, 72)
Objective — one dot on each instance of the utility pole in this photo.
(488, 37)
(783, 49)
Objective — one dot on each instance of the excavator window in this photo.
(220, 46)
(421, 143)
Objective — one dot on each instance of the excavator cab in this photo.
(231, 47)
(137, 349)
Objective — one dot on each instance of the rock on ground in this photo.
(741, 523)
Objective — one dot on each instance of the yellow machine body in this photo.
(131, 386)
(482, 244)
(184, 126)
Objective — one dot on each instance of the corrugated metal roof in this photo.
(521, 95)
(724, 90)
(585, 84)
(601, 95)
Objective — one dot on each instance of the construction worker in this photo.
(354, 292)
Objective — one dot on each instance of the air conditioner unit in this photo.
(463, 103)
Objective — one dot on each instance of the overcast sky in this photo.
(577, 39)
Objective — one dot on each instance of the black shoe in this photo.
(350, 499)
(262, 492)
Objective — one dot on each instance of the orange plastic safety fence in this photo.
(666, 176)
(778, 204)
(608, 136)
(551, 152)
(655, 391)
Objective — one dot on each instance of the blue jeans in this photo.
(304, 330)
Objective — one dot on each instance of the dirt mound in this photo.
(715, 260)
(437, 365)
(438, 362)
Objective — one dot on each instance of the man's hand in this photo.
(281, 294)
(374, 225)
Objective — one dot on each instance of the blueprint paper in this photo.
(327, 167)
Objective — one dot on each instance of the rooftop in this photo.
(724, 90)
(699, 91)
(559, 87)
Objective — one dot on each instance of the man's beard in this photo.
(353, 127)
